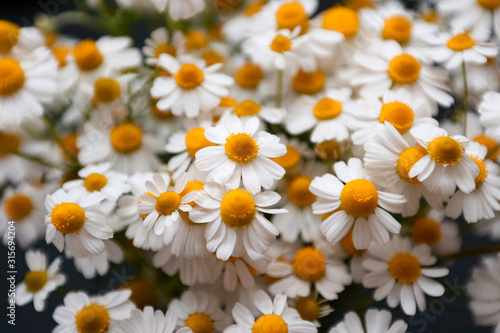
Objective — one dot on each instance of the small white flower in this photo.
(376, 321)
(149, 320)
(95, 264)
(488, 113)
(180, 9)
(160, 43)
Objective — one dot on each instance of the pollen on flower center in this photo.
(87, 56)
(492, 145)
(489, 4)
(17, 207)
(11, 76)
(404, 69)
(308, 308)
(308, 83)
(93, 318)
(444, 150)
(68, 217)
(397, 28)
(405, 268)
(94, 182)
(189, 76)
(291, 15)
(9, 34)
(426, 230)
(281, 44)
(400, 115)
(483, 171)
(35, 280)
(290, 159)
(247, 108)
(309, 264)
(196, 140)
(359, 198)
(270, 323)
(327, 108)
(248, 75)
(407, 160)
(165, 48)
(200, 323)
(106, 90)
(167, 203)
(8, 141)
(237, 208)
(126, 138)
(461, 42)
(241, 147)
(298, 191)
(341, 19)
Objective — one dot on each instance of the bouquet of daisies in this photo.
(257, 166)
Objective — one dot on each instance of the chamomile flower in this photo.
(82, 313)
(191, 88)
(236, 225)
(95, 264)
(250, 108)
(160, 43)
(75, 222)
(248, 79)
(274, 316)
(356, 202)
(445, 165)
(237, 271)
(242, 153)
(401, 274)
(180, 9)
(310, 268)
(150, 320)
(39, 281)
(376, 321)
(238, 27)
(18, 41)
(488, 115)
(311, 308)
(329, 117)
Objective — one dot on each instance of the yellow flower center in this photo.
(348, 245)
(106, 90)
(195, 40)
(68, 217)
(445, 150)
(400, 115)
(189, 76)
(405, 268)
(69, 143)
(192, 185)
(492, 145)
(397, 28)
(461, 42)
(159, 114)
(8, 141)
(426, 231)
(483, 171)
(291, 15)
(200, 323)
(359, 198)
(290, 159)
(404, 69)
(126, 138)
(60, 53)
(167, 203)
(248, 75)
(94, 182)
(270, 323)
(329, 150)
(407, 160)
(241, 147)
(9, 34)
(489, 4)
(227, 102)
(308, 308)
(327, 108)
(308, 83)
(196, 140)
(212, 57)
(237, 208)
(309, 264)
(35, 280)
(87, 56)
(430, 16)
(165, 48)
(11, 76)
(359, 4)
(247, 108)
(92, 318)
(298, 192)
(281, 44)
(17, 207)
(253, 7)
(143, 292)
(341, 19)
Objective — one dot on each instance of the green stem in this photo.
(472, 252)
(76, 18)
(279, 88)
(465, 105)
(30, 158)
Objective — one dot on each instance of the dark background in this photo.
(445, 314)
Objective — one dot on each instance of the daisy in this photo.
(95, 264)
(356, 202)
(238, 27)
(241, 153)
(82, 313)
(13, 167)
(248, 79)
(19, 41)
(385, 65)
(488, 113)
(376, 321)
(445, 165)
(236, 225)
(150, 320)
(75, 221)
(39, 281)
(237, 271)
(274, 316)
(160, 43)
(329, 116)
(309, 269)
(399, 272)
(25, 86)
(312, 308)
(191, 88)
(250, 108)
(180, 9)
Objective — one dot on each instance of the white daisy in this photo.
(238, 271)
(39, 281)
(250, 108)
(76, 222)
(241, 153)
(19, 41)
(248, 78)
(376, 321)
(95, 264)
(191, 88)
(151, 321)
(488, 113)
(311, 308)
(180, 9)
(81, 313)
(356, 201)
(238, 27)
(399, 272)
(160, 43)
(236, 225)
